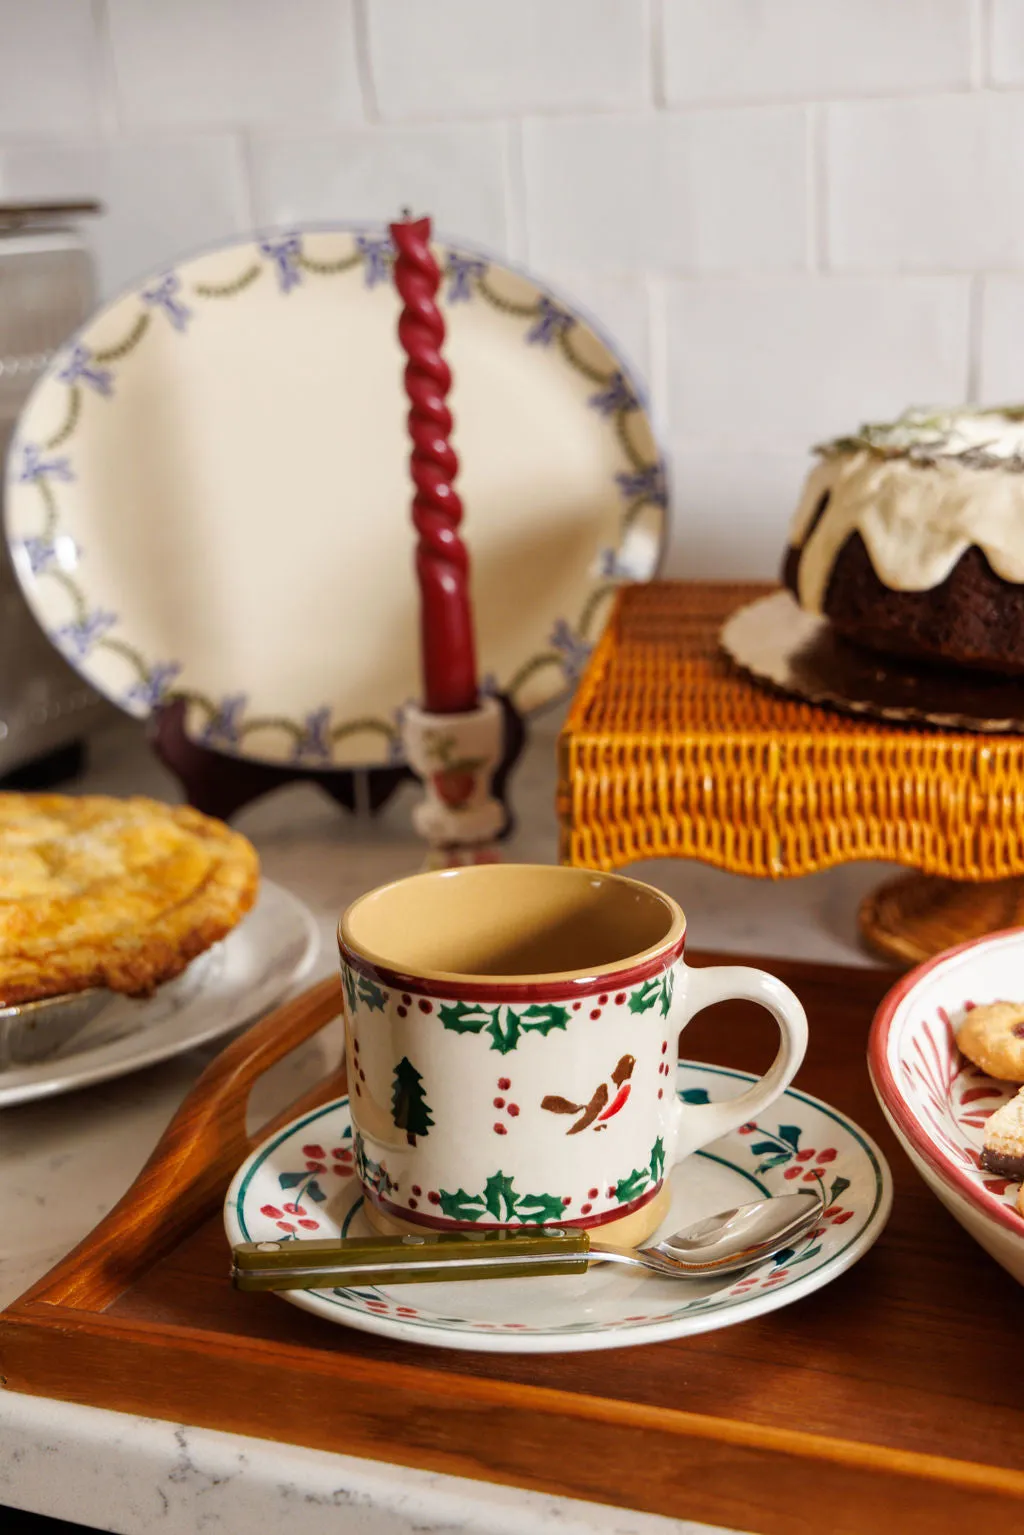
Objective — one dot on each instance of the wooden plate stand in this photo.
(220, 785)
(890, 1400)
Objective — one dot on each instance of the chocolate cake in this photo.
(909, 538)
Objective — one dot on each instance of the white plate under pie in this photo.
(301, 1184)
(250, 970)
(208, 491)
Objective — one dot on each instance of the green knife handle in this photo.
(408, 1260)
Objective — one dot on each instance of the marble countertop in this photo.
(65, 1161)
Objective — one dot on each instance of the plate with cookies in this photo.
(130, 930)
(946, 1056)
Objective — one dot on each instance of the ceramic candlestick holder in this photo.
(458, 759)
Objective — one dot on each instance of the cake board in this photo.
(671, 751)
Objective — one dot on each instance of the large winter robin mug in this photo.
(511, 1043)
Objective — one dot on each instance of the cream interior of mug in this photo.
(511, 920)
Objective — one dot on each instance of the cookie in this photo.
(992, 1037)
(1003, 1152)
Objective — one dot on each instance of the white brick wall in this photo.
(792, 213)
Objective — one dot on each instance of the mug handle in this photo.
(697, 1124)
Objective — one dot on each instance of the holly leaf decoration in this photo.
(760, 1147)
(643, 997)
(776, 1161)
(540, 1207)
(314, 1191)
(350, 987)
(668, 982)
(460, 1206)
(813, 1253)
(465, 1017)
(543, 1017)
(791, 1134)
(290, 1180)
(629, 1188)
(657, 1159)
(504, 1039)
(783, 1256)
(839, 1186)
(500, 1197)
(695, 1095)
(372, 995)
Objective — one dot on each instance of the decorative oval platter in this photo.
(301, 1184)
(208, 496)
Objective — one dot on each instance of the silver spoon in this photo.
(718, 1244)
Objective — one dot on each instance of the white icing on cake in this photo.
(919, 492)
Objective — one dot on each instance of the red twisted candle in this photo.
(442, 563)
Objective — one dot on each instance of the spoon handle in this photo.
(407, 1260)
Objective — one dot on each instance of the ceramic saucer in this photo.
(269, 951)
(302, 1184)
(248, 403)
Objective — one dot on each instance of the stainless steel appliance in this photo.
(47, 289)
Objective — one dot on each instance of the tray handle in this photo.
(184, 1180)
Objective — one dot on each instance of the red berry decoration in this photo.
(286, 1226)
(504, 1084)
(603, 1000)
(585, 1209)
(434, 1197)
(499, 1103)
(500, 1130)
(416, 1189)
(270, 1210)
(513, 1109)
(592, 1193)
(310, 1225)
(317, 1152)
(403, 1012)
(620, 997)
(316, 1167)
(595, 1013)
(406, 999)
(792, 1172)
(425, 1006)
(805, 1155)
(828, 1155)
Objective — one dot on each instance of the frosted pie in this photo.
(115, 893)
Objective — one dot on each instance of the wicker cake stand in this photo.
(669, 751)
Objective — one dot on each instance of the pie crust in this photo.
(115, 893)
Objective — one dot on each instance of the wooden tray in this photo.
(888, 1401)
